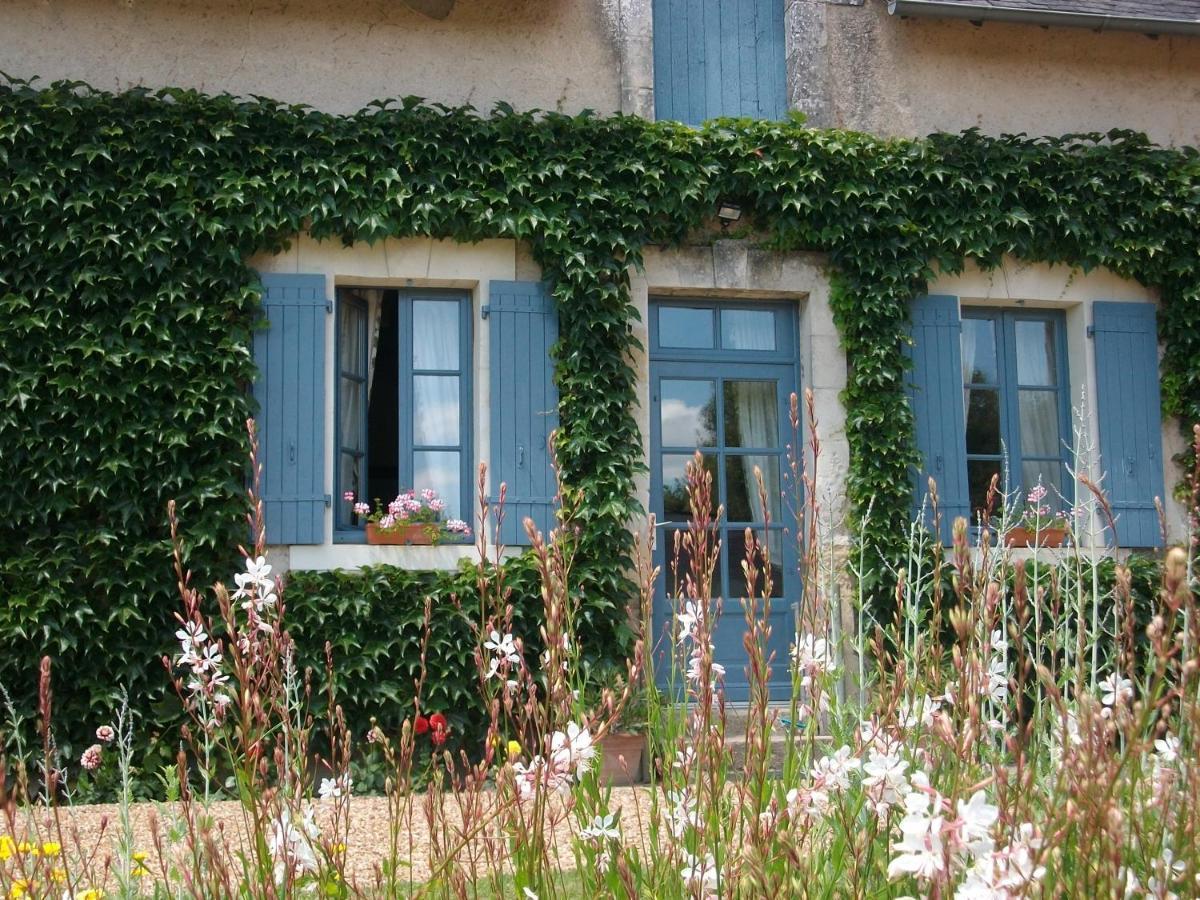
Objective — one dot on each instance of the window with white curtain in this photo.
(1015, 397)
(403, 398)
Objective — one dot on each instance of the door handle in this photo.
(520, 456)
(292, 452)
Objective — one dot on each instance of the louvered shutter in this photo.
(719, 58)
(1130, 416)
(523, 327)
(290, 390)
(936, 394)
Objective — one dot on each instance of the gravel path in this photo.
(95, 830)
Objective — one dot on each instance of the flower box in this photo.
(1025, 537)
(621, 759)
(417, 535)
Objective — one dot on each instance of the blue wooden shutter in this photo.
(290, 390)
(719, 58)
(936, 395)
(1127, 400)
(523, 325)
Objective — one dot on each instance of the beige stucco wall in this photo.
(335, 55)
(911, 76)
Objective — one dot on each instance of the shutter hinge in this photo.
(485, 310)
(328, 500)
(1091, 331)
(329, 306)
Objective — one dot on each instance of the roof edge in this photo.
(1097, 21)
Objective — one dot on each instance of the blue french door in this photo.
(721, 377)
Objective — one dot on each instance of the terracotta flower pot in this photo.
(405, 534)
(617, 747)
(1024, 537)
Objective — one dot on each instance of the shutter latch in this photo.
(1091, 331)
(328, 500)
(484, 310)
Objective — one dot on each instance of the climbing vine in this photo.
(126, 306)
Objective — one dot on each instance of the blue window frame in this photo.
(404, 399)
(1015, 379)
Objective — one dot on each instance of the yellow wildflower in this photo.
(89, 894)
(514, 749)
(19, 888)
(51, 848)
(8, 847)
(58, 874)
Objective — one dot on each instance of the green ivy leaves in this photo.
(127, 309)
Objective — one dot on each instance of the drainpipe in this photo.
(1001, 13)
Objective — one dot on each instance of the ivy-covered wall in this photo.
(126, 306)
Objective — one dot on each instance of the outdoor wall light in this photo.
(728, 212)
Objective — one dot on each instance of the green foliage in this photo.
(127, 308)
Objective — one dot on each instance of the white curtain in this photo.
(757, 412)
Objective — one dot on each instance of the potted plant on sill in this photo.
(1037, 526)
(413, 518)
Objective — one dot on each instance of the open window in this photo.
(403, 399)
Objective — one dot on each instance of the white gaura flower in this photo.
(1166, 748)
(997, 680)
(917, 711)
(572, 750)
(812, 656)
(833, 771)
(687, 617)
(885, 782)
(291, 845)
(191, 635)
(334, 788)
(694, 668)
(976, 818)
(1115, 690)
(681, 812)
(601, 828)
(700, 874)
(504, 648)
(921, 849)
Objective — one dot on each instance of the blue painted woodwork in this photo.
(935, 392)
(717, 365)
(290, 391)
(1130, 417)
(523, 327)
(719, 58)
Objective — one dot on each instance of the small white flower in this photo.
(1166, 748)
(602, 828)
(700, 874)
(917, 711)
(191, 635)
(1115, 690)
(334, 788)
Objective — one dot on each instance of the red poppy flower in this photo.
(438, 737)
(438, 722)
(422, 725)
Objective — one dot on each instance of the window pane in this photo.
(1035, 353)
(979, 479)
(351, 411)
(983, 420)
(979, 351)
(1050, 473)
(350, 479)
(747, 329)
(352, 338)
(735, 554)
(751, 414)
(688, 413)
(742, 503)
(684, 326)
(675, 486)
(677, 562)
(440, 470)
(435, 410)
(435, 334)
(1039, 423)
